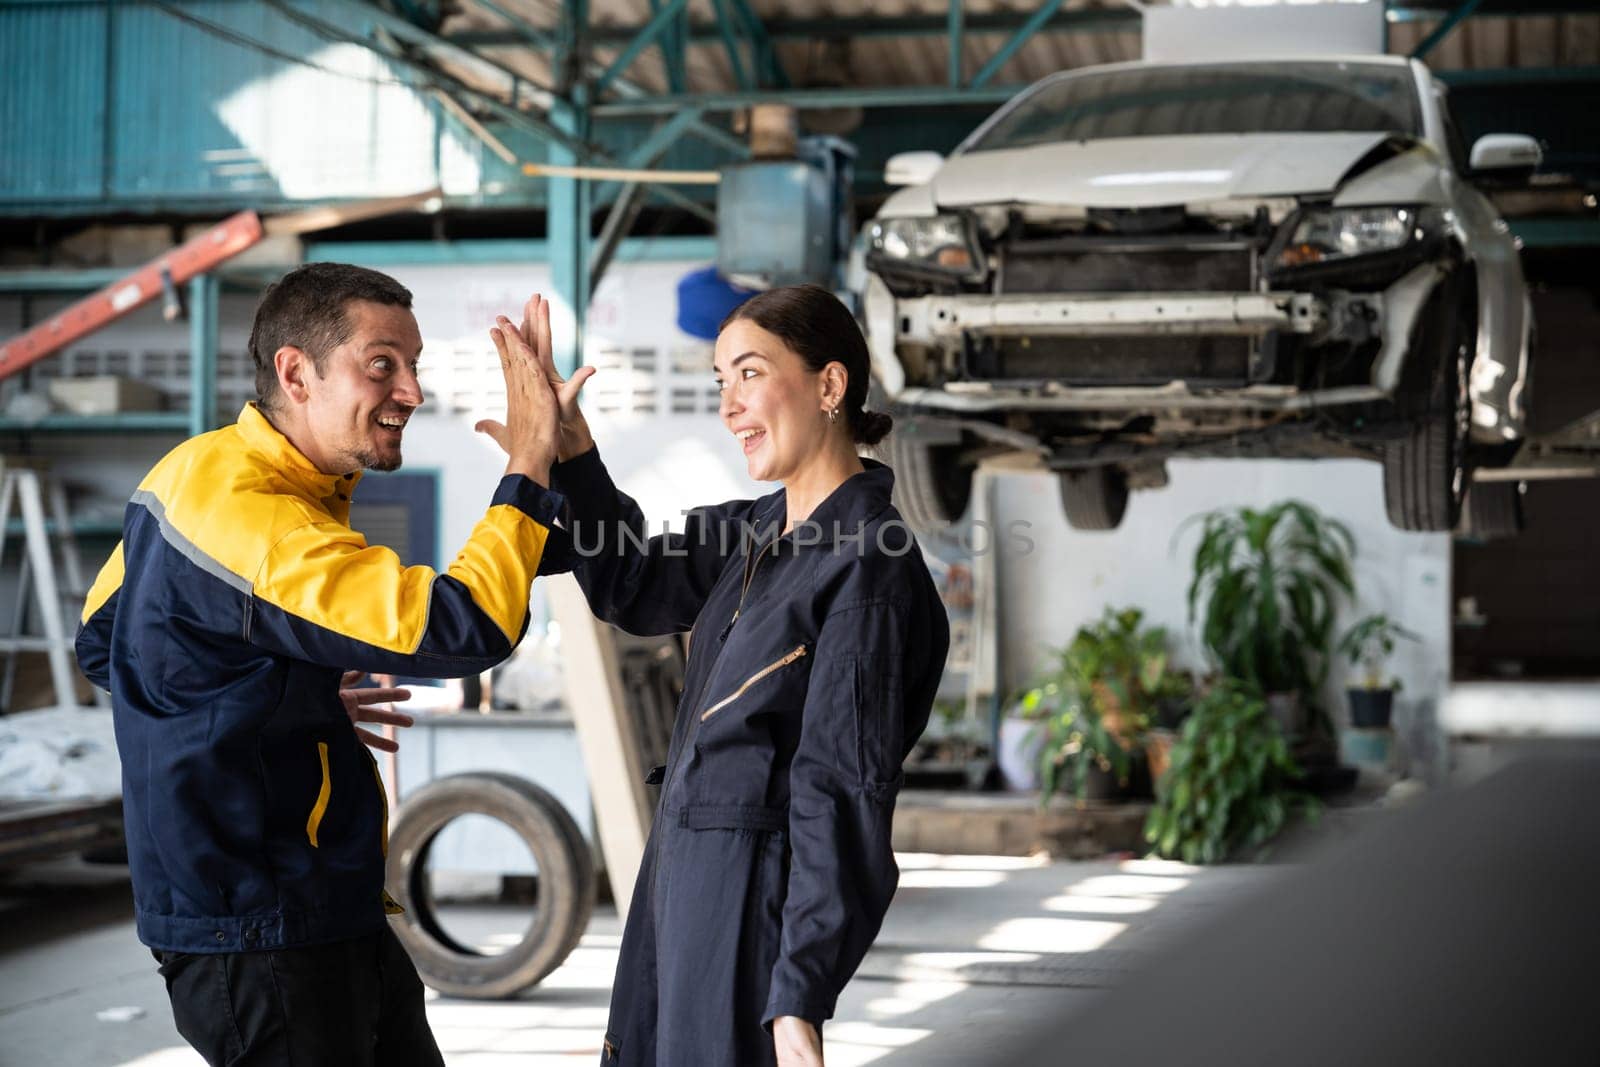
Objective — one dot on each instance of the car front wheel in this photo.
(1425, 472)
(932, 476)
(1094, 498)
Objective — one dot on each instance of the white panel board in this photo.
(1261, 31)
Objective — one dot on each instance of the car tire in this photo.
(567, 881)
(1425, 472)
(1094, 498)
(932, 479)
(1493, 511)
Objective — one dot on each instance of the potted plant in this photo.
(1368, 645)
(1079, 751)
(1101, 700)
(1229, 787)
(1266, 584)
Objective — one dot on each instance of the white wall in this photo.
(1071, 576)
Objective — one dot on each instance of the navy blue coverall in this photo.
(814, 658)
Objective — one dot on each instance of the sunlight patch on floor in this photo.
(1050, 935)
(907, 997)
(854, 1044)
(178, 1056)
(1090, 905)
(924, 861)
(935, 879)
(1127, 885)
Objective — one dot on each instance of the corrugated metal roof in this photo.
(44, 157)
(1484, 41)
(272, 114)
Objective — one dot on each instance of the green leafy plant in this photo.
(1266, 584)
(1099, 699)
(1228, 788)
(1369, 644)
(1076, 742)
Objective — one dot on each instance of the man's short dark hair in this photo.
(306, 308)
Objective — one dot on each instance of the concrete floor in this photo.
(972, 945)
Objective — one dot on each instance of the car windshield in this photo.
(1236, 98)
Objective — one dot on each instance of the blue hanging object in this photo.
(704, 300)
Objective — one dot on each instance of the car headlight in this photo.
(943, 244)
(1344, 233)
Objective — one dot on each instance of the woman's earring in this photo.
(833, 414)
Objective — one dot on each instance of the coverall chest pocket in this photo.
(774, 681)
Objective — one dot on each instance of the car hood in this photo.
(1152, 171)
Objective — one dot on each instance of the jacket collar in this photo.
(332, 491)
(858, 500)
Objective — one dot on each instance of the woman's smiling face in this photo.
(771, 401)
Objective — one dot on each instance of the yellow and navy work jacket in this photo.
(255, 818)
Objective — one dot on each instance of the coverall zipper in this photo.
(775, 665)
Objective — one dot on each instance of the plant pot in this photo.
(1171, 711)
(1101, 784)
(1141, 780)
(1290, 712)
(1158, 751)
(1370, 708)
(1018, 755)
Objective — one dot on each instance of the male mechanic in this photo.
(222, 624)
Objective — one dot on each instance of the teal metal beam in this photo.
(702, 32)
(649, 35)
(415, 35)
(660, 139)
(204, 324)
(532, 123)
(125, 422)
(568, 226)
(59, 280)
(672, 51)
(953, 27)
(1046, 11)
(558, 140)
(761, 41)
(618, 222)
(1399, 13)
(541, 39)
(1518, 76)
(1557, 232)
(548, 42)
(896, 96)
(1443, 30)
(648, 151)
(741, 77)
(378, 254)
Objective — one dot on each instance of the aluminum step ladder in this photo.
(27, 491)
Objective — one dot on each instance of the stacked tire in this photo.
(566, 884)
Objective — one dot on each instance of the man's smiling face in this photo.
(360, 398)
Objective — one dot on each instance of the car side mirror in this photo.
(1505, 155)
(911, 168)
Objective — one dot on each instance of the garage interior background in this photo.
(141, 123)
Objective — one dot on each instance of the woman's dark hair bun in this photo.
(872, 427)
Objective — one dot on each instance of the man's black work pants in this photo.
(355, 1003)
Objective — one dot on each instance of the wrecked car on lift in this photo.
(1134, 262)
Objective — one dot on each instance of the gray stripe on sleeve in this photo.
(170, 534)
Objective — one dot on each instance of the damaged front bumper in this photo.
(952, 326)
